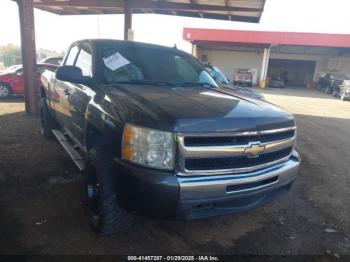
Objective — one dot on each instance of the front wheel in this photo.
(104, 212)
(5, 91)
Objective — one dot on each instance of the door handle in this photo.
(66, 92)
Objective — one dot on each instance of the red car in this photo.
(244, 77)
(11, 80)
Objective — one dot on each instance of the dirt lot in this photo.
(42, 212)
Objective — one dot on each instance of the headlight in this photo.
(148, 147)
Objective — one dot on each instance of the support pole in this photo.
(195, 50)
(26, 16)
(128, 34)
(264, 67)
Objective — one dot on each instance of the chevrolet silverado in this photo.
(155, 135)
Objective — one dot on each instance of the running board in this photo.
(75, 156)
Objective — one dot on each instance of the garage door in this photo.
(300, 72)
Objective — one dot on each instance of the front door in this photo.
(79, 95)
(63, 90)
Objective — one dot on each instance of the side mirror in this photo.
(72, 74)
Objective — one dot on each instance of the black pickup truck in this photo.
(155, 135)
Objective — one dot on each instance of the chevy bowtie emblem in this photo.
(254, 149)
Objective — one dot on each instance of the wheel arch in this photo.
(93, 136)
(97, 137)
(42, 91)
(8, 85)
(102, 130)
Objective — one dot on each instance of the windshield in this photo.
(53, 60)
(244, 71)
(220, 76)
(12, 69)
(142, 64)
(346, 83)
(217, 74)
(339, 76)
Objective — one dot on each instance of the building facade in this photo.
(304, 56)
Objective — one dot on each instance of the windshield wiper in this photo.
(201, 84)
(165, 83)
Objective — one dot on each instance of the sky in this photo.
(54, 32)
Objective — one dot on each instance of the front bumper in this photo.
(164, 195)
(244, 80)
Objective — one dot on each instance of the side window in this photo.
(55, 61)
(72, 55)
(84, 61)
(185, 70)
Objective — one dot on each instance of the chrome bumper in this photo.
(218, 186)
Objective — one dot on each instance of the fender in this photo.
(101, 128)
(105, 118)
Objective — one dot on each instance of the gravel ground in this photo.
(42, 211)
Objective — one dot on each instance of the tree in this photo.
(10, 49)
(10, 55)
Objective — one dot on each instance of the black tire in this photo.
(335, 94)
(328, 90)
(104, 212)
(342, 97)
(47, 123)
(5, 91)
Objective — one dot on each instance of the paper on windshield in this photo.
(116, 61)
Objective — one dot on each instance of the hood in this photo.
(197, 109)
(6, 76)
(242, 91)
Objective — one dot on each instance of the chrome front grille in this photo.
(237, 161)
(224, 153)
(235, 140)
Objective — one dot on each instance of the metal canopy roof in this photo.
(235, 10)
